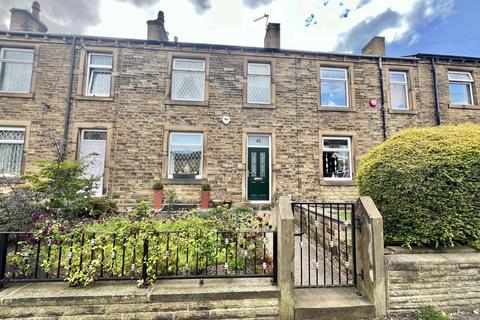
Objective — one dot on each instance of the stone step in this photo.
(331, 304)
(237, 313)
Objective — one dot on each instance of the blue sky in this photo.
(410, 26)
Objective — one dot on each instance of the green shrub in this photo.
(431, 314)
(206, 186)
(157, 185)
(98, 206)
(426, 184)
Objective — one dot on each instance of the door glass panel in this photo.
(262, 164)
(258, 141)
(253, 164)
(94, 135)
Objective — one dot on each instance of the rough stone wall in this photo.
(139, 114)
(448, 281)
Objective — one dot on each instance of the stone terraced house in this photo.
(253, 122)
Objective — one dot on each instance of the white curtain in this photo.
(16, 77)
(10, 158)
(100, 82)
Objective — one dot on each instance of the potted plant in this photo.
(157, 194)
(205, 195)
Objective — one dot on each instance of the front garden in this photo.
(58, 230)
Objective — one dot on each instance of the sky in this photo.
(409, 26)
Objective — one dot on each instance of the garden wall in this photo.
(449, 280)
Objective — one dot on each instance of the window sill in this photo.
(94, 98)
(187, 103)
(336, 109)
(183, 181)
(464, 106)
(399, 111)
(17, 95)
(247, 105)
(337, 183)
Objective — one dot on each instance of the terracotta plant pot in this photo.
(205, 199)
(157, 199)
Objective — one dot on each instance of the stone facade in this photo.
(448, 281)
(139, 114)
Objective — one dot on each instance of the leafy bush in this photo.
(157, 185)
(426, 184)
(431, 313)
(98, 206)
(206, 186)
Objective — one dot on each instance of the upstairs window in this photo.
(258, 83)
(333, 87)
(337, 158)
(460, 85)
(99, 74)
(398, 90)
(188, 80)
(16, 66)
(11, 150)
(185, 155)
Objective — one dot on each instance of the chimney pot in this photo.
(36, 9)
(272, 36)
(156, 28)
(375, 47)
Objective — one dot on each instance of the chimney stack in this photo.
(272, 36)
(36, 9)
(156, 28)
(375, 47)
(24, 20)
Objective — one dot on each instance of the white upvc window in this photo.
(337, 158)
(259, 83)
(185, 155)
(399, 90)
(16, 67)
(334, 87)
(12, 141)
(188, 80)
(99, 74)
(460, 85)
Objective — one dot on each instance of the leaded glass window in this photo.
(99, 74)
(460, 85)
(12, 141)
(398, 90)
(188, 80)
(259, 83)
(337, 158)
(185, 155)
(333, 87)
(16, 67)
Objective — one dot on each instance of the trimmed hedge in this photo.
(426, 184)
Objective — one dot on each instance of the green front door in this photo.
(258, 174)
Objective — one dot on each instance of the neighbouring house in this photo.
(251, 121)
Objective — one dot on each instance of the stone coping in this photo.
(425, 250)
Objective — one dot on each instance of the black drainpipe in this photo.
(382, 99)
(68, 105)
(435, 90)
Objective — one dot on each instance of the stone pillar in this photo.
(285, 254)
(370, 254)
(272, 36)
(375, 47)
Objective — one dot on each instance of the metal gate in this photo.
(324, 244)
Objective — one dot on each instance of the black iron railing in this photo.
(166, 254)
(325, 252)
